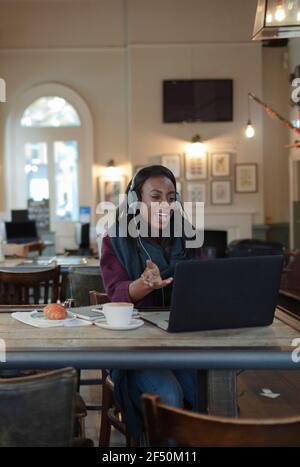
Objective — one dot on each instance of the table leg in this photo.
(217, 392)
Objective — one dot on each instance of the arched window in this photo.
(49, 142)
(50, 111)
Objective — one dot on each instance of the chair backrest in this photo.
(38, 410)
(21, 288)
(197, 430)
(82, 280)
(98, 298)
(253, 247)
(291, 276)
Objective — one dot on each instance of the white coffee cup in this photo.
(118, 313)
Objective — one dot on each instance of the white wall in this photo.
(149, 136)
(190, 21)
(115, 54)
(276, 92)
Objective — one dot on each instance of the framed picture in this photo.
(110, 190)
(221, 192)
(220, 164)
(196, 192)
(172, 162)
(246, 178)
(196, 167)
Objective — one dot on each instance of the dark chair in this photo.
(82, 280)
(111, 414)
(26, 287)
(189, 429)
(252, 247)
(39, 410)
(291, 275)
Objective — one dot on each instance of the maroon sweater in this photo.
(115, 277)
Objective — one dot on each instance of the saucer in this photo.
(134, 324)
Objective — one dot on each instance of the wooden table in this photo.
(23, 249)
(217, 354)
(43, 262)
(65, 262)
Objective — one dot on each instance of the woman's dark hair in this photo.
(148, 172)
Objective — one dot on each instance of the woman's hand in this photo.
(149, 281)
(152, 278)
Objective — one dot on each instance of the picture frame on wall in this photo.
(110, 190)
(246, 178)
(196, 192)
(220, 164)
(196, 168)
(173, 163)
(221, 192)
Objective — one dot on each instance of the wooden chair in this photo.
(291, 275)
(39, 410)
(191, 429)
(23, 288)
(111, 412)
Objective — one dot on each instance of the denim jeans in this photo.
(172, 386)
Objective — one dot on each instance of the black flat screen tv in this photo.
(198, 100)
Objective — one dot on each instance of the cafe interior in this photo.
(92, 92)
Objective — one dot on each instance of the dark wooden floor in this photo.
(254, 405)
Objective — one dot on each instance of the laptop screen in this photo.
(15, 230)
(19, 215)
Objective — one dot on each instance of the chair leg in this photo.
(81, 423)
(105, 427)
(78, 371)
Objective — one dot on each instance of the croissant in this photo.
(55, 311)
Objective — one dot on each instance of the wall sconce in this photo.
(112, 172)
(250, 131)
(277, 19)
(196, 148)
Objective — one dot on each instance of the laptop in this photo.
(21, 232)
(217, 294)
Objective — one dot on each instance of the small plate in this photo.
(134, 324)
(36, 314)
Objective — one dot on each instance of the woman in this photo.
(140, 270)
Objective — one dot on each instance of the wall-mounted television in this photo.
(198, 100)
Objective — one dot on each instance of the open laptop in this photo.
(21, 232)
(221, 294)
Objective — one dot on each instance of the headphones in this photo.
(132, 197)
(132, 200)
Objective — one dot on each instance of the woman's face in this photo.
(157, 195)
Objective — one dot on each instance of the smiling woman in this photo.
(140, 270)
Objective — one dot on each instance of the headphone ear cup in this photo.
(132, 198)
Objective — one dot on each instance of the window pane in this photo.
(50, 111)
(66, 180)
(36, 170)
